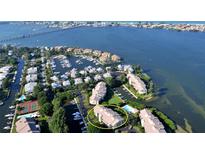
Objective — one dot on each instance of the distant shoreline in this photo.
(183, 26)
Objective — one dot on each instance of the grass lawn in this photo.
(115, 100)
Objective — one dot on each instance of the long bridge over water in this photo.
(23, 36)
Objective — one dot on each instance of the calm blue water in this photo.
(175, 60)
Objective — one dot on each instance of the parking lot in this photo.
(124, 94)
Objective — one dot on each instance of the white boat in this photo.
(7, 127)
(9, 115)
(76, 113)
(1, 103)
(12, 107)
(10, 118)
(9, 123)
(79, 118)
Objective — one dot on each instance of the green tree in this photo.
(57, 124)
(46, 109)
(5, 83)
(92, 129)
(36, 91)
(19, 108)
(56, 104)
(42, 100)
(123, 78)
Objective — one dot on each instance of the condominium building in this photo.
(151, 123)
(107, 116)
(137, 83)
(98, 93)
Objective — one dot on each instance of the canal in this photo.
(14, 89)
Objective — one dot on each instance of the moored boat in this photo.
(7, 127)
(12, 107)
(10, 118)
(9, 115)
(1, 103)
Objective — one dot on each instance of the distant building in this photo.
(87, 79)
(55, 85)
(107, 75)
(10, 53)
(32, 70)
(98, 93)
(151, 123)
(31, 77)
(97, 77)
(29, 87)
(4, 71)
(100, 70)
(137, 83)
(73, 73)
(125, 68)
(109, 117)
(92, 70)
(27, 125)
(83, 72)
(54, 78)
(128, 68)
(66, 83)
(78, 81)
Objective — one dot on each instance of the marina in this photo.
(7, 110)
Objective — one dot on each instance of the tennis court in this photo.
(28, 107)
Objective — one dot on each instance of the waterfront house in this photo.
(55, 85)
(32, 70)
(54, 78)
(97, 77)
(64, 77)
(4, 71)
(98, 93)
(31, 77)
(107, 116)
(137, 83)
(115, 58)
(107, 75)
(92, 70)
(120, 67)
(87, 51)
(66, 83)
(83, 72)
(27, 125)
(151, 123)
(78, 81)
(97, 53)
(73, 73)
(100, 70)
(87, 79)
(29, 87)
(128, 68)
(105, 56)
